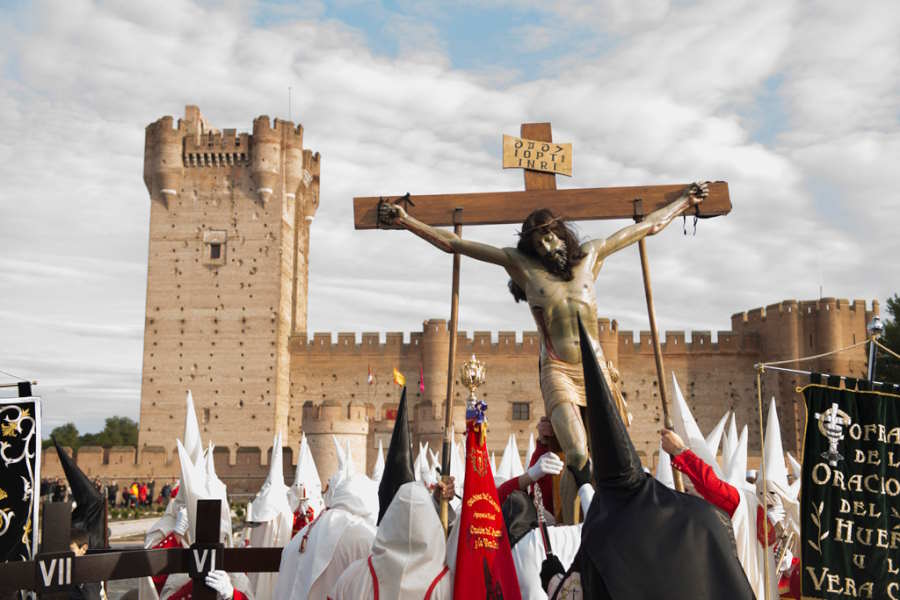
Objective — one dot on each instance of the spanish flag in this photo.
(399, 379)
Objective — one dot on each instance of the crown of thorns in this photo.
(532, 229)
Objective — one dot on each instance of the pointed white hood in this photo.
(493, 464)
(750, 552)
(531, 448)
(272, 498)
(340, 473)
(199, 482)
(777, 476)
(510, 462)
(192, 430)
(686, 427)
(420, 465)
(273, 519)
(729, 443)
(409, 549)
(378, 467)
(664, 469)
(776, 469)
(457, 467)
(714, 438)
(307, 484)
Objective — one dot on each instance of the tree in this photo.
(118, 431)
(888, 367)
(66, 435)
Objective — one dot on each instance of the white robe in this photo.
(343, 533)
(177, 580)
(271, 534)
(407, 555)
(529, 554)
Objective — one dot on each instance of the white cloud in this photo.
(660, 94)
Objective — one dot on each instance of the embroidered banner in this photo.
(20, 476)
(850, 494)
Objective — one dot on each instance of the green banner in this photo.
(850, 494)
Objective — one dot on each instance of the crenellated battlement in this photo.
(273, 153)
(279, 130)
(347, 343)
(789, 309)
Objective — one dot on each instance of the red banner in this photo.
(484, 564)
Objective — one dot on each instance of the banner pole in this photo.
(762, 473)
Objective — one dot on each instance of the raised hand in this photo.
(547, 464)
(389, 214)
(697, 192)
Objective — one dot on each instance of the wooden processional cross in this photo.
(541, 161)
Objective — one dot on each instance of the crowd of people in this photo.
(134, 495)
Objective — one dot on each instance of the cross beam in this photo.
(581, 204)
(129, 564)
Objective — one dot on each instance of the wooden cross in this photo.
(106, 565)
(494, 208)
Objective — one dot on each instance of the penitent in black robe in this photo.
(641, 540)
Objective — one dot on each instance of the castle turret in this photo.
(347, 423)
(265, 157)
(163, 163)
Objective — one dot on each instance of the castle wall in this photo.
(221, 280)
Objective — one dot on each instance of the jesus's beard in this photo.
(557, 262)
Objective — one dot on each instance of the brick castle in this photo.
(226, 318)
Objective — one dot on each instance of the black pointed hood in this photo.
(398, 466)
(616, 463)
(90, 510)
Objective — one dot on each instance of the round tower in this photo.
(345, 423)
(163, 163)
(265, 155)
(828, 337)
(428, 412)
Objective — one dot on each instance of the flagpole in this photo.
(451, 368)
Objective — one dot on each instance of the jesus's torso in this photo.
(556, 304)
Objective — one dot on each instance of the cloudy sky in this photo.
(795, 104)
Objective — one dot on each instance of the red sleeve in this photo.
(507, 488)
(239, 595)
(546, 483)
(706, 482)
(760, 528)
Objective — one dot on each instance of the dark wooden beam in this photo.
(584, 204)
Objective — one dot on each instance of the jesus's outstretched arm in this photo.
(395, 215)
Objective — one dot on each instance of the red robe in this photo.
(187, 590)
(302, 519)
(170, 541)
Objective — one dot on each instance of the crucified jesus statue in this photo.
(555, 274)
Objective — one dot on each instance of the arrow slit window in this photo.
(214, 247)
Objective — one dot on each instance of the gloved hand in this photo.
(582, 475)
(547, 464)
(181, 521)
(776, 511)
(221, 582)
(550, 567)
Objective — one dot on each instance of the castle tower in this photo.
(227, 276)
(347, 423)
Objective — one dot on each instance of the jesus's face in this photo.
(550, 248)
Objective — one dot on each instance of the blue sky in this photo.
(794, 103)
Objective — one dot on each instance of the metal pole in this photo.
(871, 371)
(451, 369)
(657, 351)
